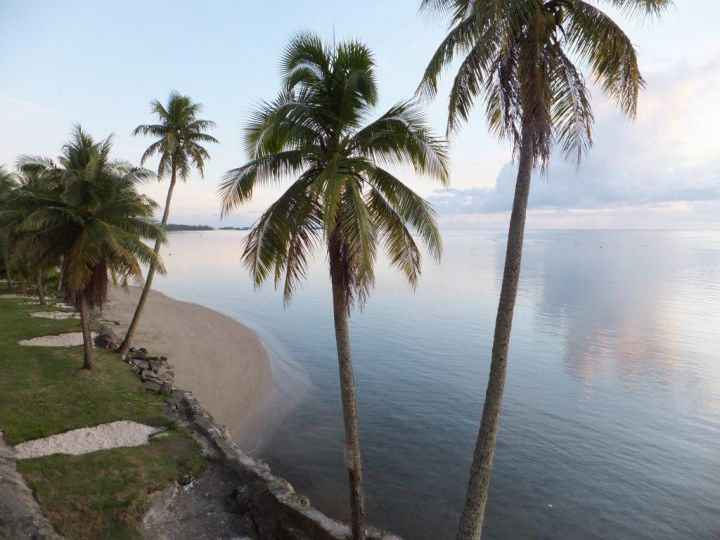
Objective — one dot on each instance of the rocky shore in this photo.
(221, 360)
(238, 493)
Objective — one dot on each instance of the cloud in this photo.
(668, 156)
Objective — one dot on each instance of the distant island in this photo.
(173, 227)
(178, 227)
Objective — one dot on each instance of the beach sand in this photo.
(220, 360)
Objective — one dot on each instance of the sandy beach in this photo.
(216, 357)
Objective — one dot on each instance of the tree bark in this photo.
(61, 276)
(127, 342)
(6, 260)
(41, 289)
(353, 458)
(89, 356)
(471, 521)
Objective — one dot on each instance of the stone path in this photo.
(202, 510)
(20, 515)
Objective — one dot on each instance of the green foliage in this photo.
(82, 213)
(42, 392)
(520, 58)
(98, 495)
(316, 132)
(180, 134)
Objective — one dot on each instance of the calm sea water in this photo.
(611, 418)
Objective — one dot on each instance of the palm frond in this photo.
(315, 134)
(597, 39)
(237, 185)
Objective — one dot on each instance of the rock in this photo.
(166, 388)
(20, 515)
(138, 354)
(139, 364)
(107, 341)
(153, 385)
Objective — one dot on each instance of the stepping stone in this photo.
(55, 315)
(120, 434)
(70, 339)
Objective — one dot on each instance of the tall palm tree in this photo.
(341, 195)
(94, 221)
(520, 58)
(180, 135)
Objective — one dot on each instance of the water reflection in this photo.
(611, 418)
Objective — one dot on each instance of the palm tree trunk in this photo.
(127, 342)
(61, 276)
(471, 521)
(353, 459)
(6, 260)
(40, 289)
(89, 356)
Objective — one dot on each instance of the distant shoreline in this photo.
(220, 360)
(174, 227)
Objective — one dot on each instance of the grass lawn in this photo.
(43, 391)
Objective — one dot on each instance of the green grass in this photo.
(108, 487)
(43, 391)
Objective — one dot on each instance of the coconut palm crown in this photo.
(181, 135)
(524, 60)
(342, 190)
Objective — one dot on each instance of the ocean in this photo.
(611, 419)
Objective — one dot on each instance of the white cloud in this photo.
(664, 164)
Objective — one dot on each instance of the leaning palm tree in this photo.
(342, 196)
(520, 58)
(94, 222)
(180, 135)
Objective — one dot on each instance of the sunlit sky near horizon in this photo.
(99, 63)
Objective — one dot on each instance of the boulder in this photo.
(152, 385)
(138, 354)
(107, 340)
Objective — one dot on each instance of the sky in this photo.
(100, 63)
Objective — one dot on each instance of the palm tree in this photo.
(28, 190)
(520, 58)
(180, 135)
(341, 195)
(94, 221)
(8, 183)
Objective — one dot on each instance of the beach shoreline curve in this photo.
(220, 360)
